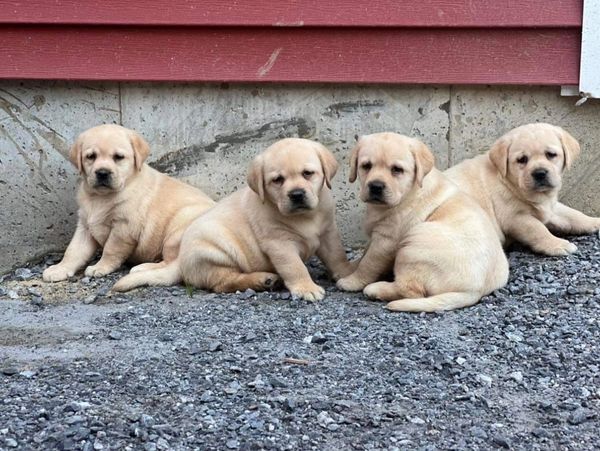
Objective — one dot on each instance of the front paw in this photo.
(97, 270)
(57, 273)
(309, 291)
(350, 283)
(559, 248)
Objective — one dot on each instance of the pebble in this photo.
(517, 376)
(114, 335)
(9, 370)
(11, 443)
(232, 444)
(501, 441)
(318, 338)
(579, 416)
(23, 273)
(215, 346)
(485, 379)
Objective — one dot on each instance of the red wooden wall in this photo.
(381, 41)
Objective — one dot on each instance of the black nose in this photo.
(297, 195)
(539, 175)
(102, 174)
(376, 188)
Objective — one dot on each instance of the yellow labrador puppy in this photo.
(442, 247)
(517, 184)
(265, 231)
(126, 208)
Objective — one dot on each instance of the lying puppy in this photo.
(442, 247)
(263, 232)
(517, 184)
(125, 207)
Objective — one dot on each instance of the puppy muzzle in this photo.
(103, 178)
(376, 192)
(540, 180)
(297, 199)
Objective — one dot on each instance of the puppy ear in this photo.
(498, 155)
(75, 155)
(424, 161)
(141, 149)
(571, 148)
(354, 161)
(256, 177)
(328, 163)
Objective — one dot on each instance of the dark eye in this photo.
(118, 157)
(397, 170)
(550, 155)
(366, 166)
(278, 180)
(308, 174)
(522, 160)
(91, 156)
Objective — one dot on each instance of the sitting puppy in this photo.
(442, 247)
(263, 232)
(517, 184)
(127, 208)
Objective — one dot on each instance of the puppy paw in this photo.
(378, 291)
(56, 273)
(269, 281)
(97, 270)
(560, 248)
(308, 291)
(350, 283)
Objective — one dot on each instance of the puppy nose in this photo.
(539, 174)
(376, 187)
(297, 195)
(102, 173)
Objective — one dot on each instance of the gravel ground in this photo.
(171, 369)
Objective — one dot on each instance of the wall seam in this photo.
(450, 115)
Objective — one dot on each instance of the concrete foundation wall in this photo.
(207, 134)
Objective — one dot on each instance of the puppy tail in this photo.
(437, 303)
(165, 276)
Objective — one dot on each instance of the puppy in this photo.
(265, 231)
(126, 208)
(442, 247)
(517, 184)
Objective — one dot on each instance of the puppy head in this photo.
(291, 174)
(533, 157)
(108, 156)
(389, 165)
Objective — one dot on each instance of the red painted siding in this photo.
(385, 41)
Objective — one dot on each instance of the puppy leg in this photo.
(287, 262)
(405, 286)
(379, 258)
(81, 248)
(332, 254)
(230, 280)
(115, 252)
(569, 220)
(533, 233)
(147, 267)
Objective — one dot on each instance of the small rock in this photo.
(3, 291)
(579, 416)
(85, 280)
(90, 299)
(162, 444)
(318, 338)
(27, 373)
(146, 420)
(484, 379)
(478, 432)
(13, 294)
(324, 419)
(248, 294)
(23, 273)
(501, 441)
(517, 376)
(215, 346)
(98, 445)
(11, 443)
(9, 370)
(417, 420)
(74, 419)
(232, 388)
(232, 444)
(114, 335)
(460, 360)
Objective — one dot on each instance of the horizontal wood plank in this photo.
(373, 55)
(339, 13)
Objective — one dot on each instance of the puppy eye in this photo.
(550, 155)
(118, 157)
(307, 174)
(278, 180)
(366, 166)
(396, 170)
(522, 160)
(91, 156)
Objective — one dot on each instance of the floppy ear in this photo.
(354, 162)
(256, 177)
(498, 155)
(424, 161)
(328, 163)
(571, 148)
(141, 149)
(75, 155)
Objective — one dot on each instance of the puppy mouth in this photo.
(298, 208)
(542, 186)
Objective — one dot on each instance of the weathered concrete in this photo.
(207, 134)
